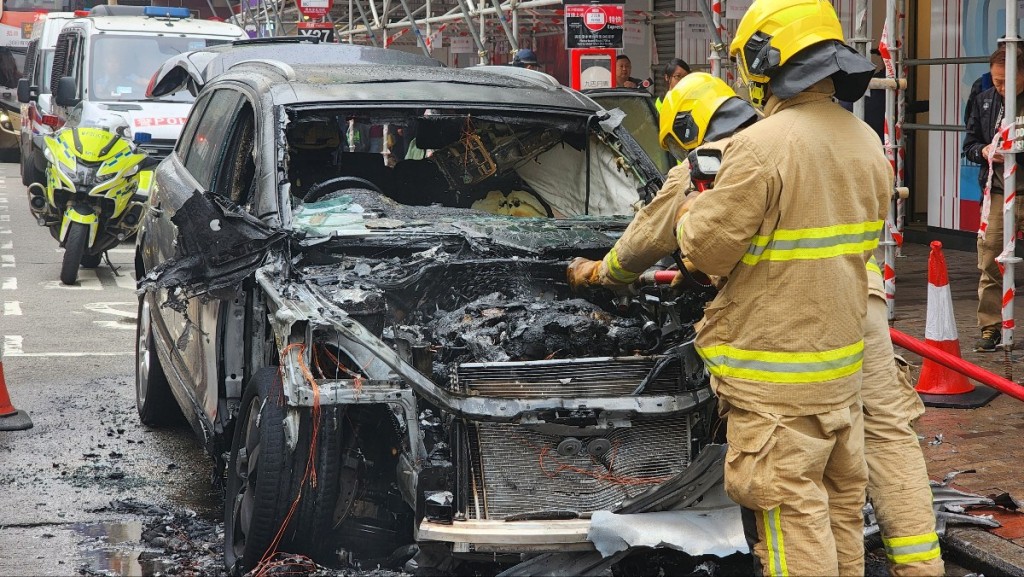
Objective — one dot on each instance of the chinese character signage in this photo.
(593, 25)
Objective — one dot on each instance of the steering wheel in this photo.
(322, 189)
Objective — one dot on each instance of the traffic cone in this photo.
(940, 386)
(11, 419)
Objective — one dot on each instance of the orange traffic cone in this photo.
(11, 419)
(940, 386)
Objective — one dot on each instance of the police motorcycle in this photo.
(96, 187)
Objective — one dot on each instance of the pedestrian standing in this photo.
(985, 115)
(675, 70)
(797, 208)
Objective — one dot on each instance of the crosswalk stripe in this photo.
(12, 344)
(12, 308)
(9, 284)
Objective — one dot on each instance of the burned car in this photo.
(352, 284)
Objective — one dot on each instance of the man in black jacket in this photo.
(984, 120)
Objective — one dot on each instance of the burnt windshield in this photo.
(350, 170)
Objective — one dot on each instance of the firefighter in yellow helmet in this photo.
(706, 109)
(796, 211)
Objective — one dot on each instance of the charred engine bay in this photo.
(479, 310)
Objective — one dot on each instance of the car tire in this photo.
(29, 172)
(153, 397)
(260, 494)
(91, 260)
(74, 248)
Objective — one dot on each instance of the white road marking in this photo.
(122, 250)
(126, 320)
(5, 231)
(12, 308)
(12, 345)
(9, 284)
(6, 260)
(97, 354)
(5, 218)
(87, 280)
(9, 245)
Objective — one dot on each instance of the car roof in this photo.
(360, 84)
(202, 65)
(151, 25)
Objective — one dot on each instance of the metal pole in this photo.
(366, 24)
(1008, 258)
(472, 31)
(514, 6)
(409, 14)
(717, 48)
(860, 44)
(888, 238)
(504, 24)
(351, 39)
(483, 34)
(901, 113)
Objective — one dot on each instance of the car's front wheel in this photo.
(153, 397)
(264, 478)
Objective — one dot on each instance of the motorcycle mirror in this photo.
(142, 137)
(25, 92)
(67, 92)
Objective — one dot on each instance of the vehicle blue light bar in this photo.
(166, 12)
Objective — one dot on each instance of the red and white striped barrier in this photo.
(940, 332)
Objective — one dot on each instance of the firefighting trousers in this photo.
(990, 285)
(804, 480)
(897, 477)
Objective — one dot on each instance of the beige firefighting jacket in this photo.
(796, 210)
(651, 235)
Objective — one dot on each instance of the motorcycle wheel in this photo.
(264, 478)
(29, 172)
(91, 260)
(74, 248)
(153, 397)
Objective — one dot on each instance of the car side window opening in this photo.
(498, 163)
(239, 168)
(188, 133)
(209, 142)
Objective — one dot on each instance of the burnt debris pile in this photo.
(498, 328)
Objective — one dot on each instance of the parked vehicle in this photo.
(355, 270)
(92, 78)
(36, 118)
(90, 201)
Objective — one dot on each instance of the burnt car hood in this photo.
(221, 243)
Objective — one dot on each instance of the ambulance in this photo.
(103, 65)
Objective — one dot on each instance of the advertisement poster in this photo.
(593, 26)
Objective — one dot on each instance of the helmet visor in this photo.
(686, 130)
(758, 58)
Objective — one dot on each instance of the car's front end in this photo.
(414, 291)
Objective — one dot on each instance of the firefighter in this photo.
(898, 480)
(714, 112)
(796, 210)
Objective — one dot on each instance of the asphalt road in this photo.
(69, 362)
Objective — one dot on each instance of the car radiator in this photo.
(517, 472)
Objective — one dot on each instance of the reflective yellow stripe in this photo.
(813, 243)
(782, 367)
(615, 270)
(912, 549)
(872, 266)
(679, 227)
(776, 545)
